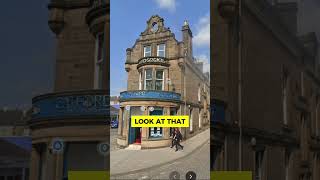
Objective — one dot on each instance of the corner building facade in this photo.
(68, 125)
(163, 79)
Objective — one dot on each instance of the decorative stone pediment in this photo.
(155, 25)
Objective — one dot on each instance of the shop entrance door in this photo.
(134, 133)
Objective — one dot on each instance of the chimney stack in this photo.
(187, 38)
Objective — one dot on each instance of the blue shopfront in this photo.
(146, 103)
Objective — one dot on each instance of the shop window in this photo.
(42, 161)
(161, 50)
(90, 159)
(156, 132)
(147, 51)
(99, 61)
(173, 112)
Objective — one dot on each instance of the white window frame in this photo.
(98, 63)
(145, 52)
(164, 50)
(140, 80)
(145, 79)
(191, 120)
(156, 79)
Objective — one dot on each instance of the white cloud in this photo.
(206, 62)
(202, 37)
(167, 4)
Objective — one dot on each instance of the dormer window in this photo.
(161, 50)
(147, 51)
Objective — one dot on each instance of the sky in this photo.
(129, 18)
(26, 52)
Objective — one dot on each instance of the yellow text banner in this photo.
(231, 175)
(159, 121)
(85, 175)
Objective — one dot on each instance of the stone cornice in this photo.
(271, 138)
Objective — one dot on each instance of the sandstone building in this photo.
(69, 125)
(265, 92)
(163, 79)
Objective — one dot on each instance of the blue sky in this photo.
(128, 19)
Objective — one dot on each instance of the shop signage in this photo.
(150, 95)
(71, 105)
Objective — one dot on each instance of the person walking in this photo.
(173, 134)
(178, 138)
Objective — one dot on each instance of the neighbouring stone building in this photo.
(69, 127)
(266, 103)
(163, 79)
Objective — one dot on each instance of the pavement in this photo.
(125, 162)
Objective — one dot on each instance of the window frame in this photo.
(156, 79)
(145, 79)
(99, 61)
(145, 52)
(164, 50)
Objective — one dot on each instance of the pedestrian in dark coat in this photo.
(173, 134)
(178, 138)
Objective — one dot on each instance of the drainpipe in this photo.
(240, 84)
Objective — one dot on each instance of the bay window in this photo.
(148, 85)
(153, 79)
(161, 50)
(159, 80)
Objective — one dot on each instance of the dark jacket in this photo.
(178, 136)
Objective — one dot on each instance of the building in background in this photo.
(265, 92)
(15, 158)
(13, 122)
(69, 125)
(163, 79)
(114, 100)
